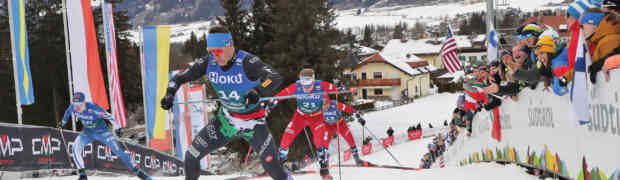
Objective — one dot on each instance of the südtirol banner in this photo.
(541, 130)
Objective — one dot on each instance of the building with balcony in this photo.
(390, 75)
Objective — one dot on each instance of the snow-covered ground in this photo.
(428, 14)
(434, 109)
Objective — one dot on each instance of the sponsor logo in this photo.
(266, 83)
(45, 145)
(10, 145)
(194, 151)
(265, 143)
(215, 78)
(505, 120)
(152, 162)
(201, 141)
(540, 117)
(604, 118)
(290, 131)
(105, 153)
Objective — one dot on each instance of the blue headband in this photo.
(216, 40)
(593, 18)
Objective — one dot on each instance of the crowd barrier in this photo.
(24, 148)
(540, 130)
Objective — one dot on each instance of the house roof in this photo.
(400, 65)
(422, 46)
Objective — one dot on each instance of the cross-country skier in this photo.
(95, 122)
(332, 113)
(309, 113)
(239, 79)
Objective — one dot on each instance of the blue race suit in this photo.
(95, 128)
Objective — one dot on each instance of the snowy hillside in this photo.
(427, 14)
(181, 32)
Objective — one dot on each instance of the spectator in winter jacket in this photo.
(545, 49)
(390, 132)
(612, 62)
(426, 161)
(430, 125)
(419, 126)
(604, 40)
(531, 33)
(367, 140)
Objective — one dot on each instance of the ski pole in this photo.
(388, 151)
(352, 90)
(339, 168)
(310, 144)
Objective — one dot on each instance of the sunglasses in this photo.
(520, 37)
(216, 52)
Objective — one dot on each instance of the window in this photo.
(363, 76)
(354, 76)
(378, 91)
(377, 75)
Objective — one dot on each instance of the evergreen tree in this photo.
(235, 19)
(367, 38)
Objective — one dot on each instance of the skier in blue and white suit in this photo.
(95, 127)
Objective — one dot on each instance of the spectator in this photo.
(612, 62)
(611, 6)
(545, 49)
(367, 140)
(445, 122)
(531, 33)
(419, 127)
(390, 132)
(426, 161)
(430, 125)
(605, 37)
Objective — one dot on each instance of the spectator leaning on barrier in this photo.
(545, 50)
(390, 131)
(605, 39)
(612, 62)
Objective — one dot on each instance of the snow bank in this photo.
(540, 129)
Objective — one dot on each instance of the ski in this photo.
(265, 175)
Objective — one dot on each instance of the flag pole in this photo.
(141, 44)
(107, 57)
(18, 103)
(68, 54)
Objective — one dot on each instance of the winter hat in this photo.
(593, 18)
(545, 44)
(532, 29)
(612, 4)
(78, 97)
(550, 32)
(577, 8)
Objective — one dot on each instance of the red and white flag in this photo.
(85, 65)
(449, 53)
(118, 106)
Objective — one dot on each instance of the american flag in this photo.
(118, 107)
(449, 53)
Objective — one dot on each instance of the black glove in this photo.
(360, 119)
(251, 97)
(119, 132)
(167, 101)
(563, 81)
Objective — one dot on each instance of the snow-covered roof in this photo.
(399, 63)
(367, 51)
(479, 38)
(454, 76)
(422, 46)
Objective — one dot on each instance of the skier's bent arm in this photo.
(106, 116)
(290, 90)
(65, 117)
(194, 72)
(270, 80)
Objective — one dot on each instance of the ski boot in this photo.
(82, 175)
(142, 175)
(324, 163)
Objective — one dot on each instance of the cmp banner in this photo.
(34, 148)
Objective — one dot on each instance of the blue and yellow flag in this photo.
(21, 59)
(156, 54)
